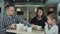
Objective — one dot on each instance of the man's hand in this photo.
(13, 26)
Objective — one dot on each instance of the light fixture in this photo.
(35, 9)
(59, 4)
(18, 9)
(51, 9)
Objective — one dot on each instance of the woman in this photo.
(39, 19)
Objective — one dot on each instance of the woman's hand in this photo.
(34, 26)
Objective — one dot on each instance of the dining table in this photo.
(25, 32)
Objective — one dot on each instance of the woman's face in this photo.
(39, 13)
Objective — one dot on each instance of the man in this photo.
(10, 20)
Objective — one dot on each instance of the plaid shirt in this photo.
(6, 22)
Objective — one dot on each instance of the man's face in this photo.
(10, 11)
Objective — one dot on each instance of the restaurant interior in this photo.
(26, 9)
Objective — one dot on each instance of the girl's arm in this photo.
(53, 30)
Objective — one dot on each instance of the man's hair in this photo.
(9, 5)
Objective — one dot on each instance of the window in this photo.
(0, 9)
(59, 13)
(19, 12)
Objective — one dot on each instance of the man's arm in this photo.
(3, 25)
(23, 22)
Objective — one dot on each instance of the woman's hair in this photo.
(39, 8)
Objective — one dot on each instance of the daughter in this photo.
(52, 22)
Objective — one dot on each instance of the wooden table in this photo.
(25, 32)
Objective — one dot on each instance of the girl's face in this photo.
(50, 21)
(39, 13)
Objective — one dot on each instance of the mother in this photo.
(39, 19)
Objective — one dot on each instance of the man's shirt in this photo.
(6, 22)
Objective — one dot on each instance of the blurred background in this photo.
(27, 8)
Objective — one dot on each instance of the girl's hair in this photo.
(39, 8)
(52, 16)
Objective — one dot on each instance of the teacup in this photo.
(25, 28)
(39, 27)
(19, 26)
(29, 29)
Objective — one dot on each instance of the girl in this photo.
(52, 22)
